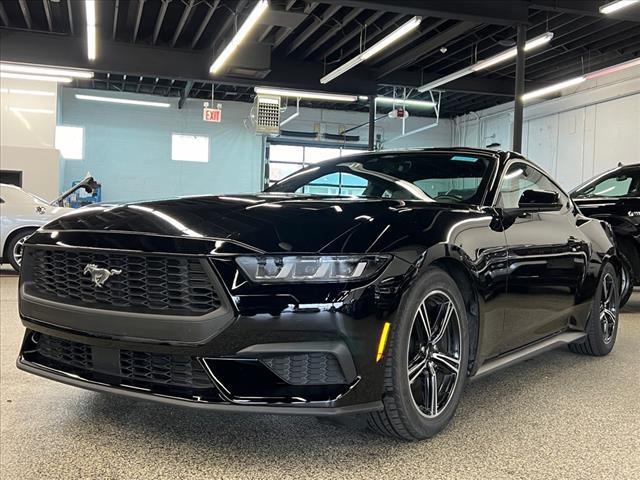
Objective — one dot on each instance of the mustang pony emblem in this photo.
(99, 276)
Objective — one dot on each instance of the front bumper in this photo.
(284, 349)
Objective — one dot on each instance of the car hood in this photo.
(267, 222)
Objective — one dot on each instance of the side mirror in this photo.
(539, 200)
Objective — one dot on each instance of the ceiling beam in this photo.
(494, 12)
(138, 18)
(204, 23)
(25, 13)
(313, 28)
(116, 9)
(70, 15)
(336, 45)
(3, 16)
(184, 93)
(227, 23)
(161, 13)
(183, 20)
(47, 13)
(352, 15)
(415, 54)
(169, 63)
(589, 8)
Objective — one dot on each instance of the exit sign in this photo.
(212, 115)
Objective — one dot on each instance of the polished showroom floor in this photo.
(556, 416)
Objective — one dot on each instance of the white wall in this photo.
(27, 134)
(587, 130)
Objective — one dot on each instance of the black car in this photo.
(614, 196)
(374, 284)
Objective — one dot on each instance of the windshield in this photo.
(619, 183)
(427, 176)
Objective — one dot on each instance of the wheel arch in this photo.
(11, 235)
(460, 274)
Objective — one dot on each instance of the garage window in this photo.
(189, 148)
(285, 159)
(70, 142)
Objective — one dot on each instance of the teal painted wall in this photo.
(128, 148)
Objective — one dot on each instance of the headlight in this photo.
(312, 268)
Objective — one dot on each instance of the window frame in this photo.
(566, 207)
(186, 134)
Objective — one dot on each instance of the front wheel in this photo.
(426, 363)
(602, 326)
(15, 247)
(627, 279)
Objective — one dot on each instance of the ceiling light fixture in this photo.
(374, 49)
(282, 92)
(576, 80)
(617, 5)
(19, 91)
(37, 78)
(489, 62)
(408, 101)
(123, 101)
(35, 70)
(90, 14)
(240, 35)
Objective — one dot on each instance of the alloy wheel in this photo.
(608, 308)
(17, 249)
(624, 281)
(434, 353)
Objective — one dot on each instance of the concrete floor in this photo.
(556, 416)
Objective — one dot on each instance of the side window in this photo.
(520, 177)
(613, 187)
(337, 183)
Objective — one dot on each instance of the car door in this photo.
(546, 255)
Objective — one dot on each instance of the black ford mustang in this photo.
(372, 284)
(614, 196)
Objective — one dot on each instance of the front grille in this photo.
(179, 370)
(145, 284)
(316, 368)
(132, 368)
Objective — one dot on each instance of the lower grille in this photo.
(316, 368)
(135, 368)
(142, 284)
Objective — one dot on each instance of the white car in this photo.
(22, 213)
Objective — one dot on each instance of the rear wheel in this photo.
(602, 326)
(426, 364)
(15, 246)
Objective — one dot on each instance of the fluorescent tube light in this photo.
(35, 70)
(240, 35)
(37, 78)
(617, 5)
(330, 97)
(90, 14)
(408, 101)
(374, 49)
(615, 68)
(553, 88)
(513, 52)
(31, 110)
(123, 101)
(489, 62)
(575, 81)
(19, 91)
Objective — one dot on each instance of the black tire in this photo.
(598, 343)
(627, 267)
(11, 247)
(402, 417)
